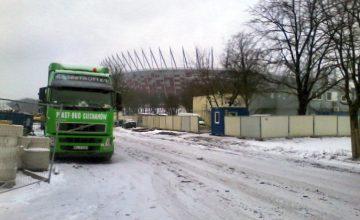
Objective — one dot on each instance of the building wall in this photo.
(202, 106)
(279, 104)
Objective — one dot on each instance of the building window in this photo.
(328, 96)
(331, 96)
(217, 117)
(318, 96)
(343, 98)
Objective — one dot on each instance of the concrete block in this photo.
(34, 142)
(11, 130)
(8, 159)
(36, 159)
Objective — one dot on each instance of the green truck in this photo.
(84, 102)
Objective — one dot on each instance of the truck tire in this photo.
(106, 158)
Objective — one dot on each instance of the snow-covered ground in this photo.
(326, 151)
(174, 175)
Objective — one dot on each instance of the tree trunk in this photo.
(355, 137)
(302, 107)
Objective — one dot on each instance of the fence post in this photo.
(288, 126)
(337, 125)
(313, 125)
(260, 125)
(240, 126)
(58, 121)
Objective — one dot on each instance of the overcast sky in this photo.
(36, 33)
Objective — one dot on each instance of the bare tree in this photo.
(209, 82)
(188, 92)
(297, 47)
(343, 25)
(117, 74)
(171, 104)
(244, 68)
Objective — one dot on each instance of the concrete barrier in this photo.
(250, 127)
(325, 125)
(169, 122)
(301, 126)
(232, 126)
(34, 142)
(36, 159)
(185, 123)
(9, 135)
(344, 126)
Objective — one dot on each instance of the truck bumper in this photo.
(83, 146)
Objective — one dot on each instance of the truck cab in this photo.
(84, 102)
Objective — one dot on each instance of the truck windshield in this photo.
(82, 98)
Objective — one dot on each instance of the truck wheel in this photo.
(106, 158)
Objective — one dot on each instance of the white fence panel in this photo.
(169, 122)
(185, 123)
(301, 126)
(162, 122)
(274, 126)
(325, 125)
(232, 126)
(344, 126)
(156, 121)
(176, 123)
(194, 124)
(150, 122)
(250, 127)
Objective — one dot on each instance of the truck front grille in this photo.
(81, 127)
(71, 148)
(80, 140)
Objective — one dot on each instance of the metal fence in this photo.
(22, 142)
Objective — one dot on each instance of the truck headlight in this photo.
(108, 142)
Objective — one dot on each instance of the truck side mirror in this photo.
(118, 102)
(42, 94)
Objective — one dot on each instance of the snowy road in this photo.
(160, 176)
